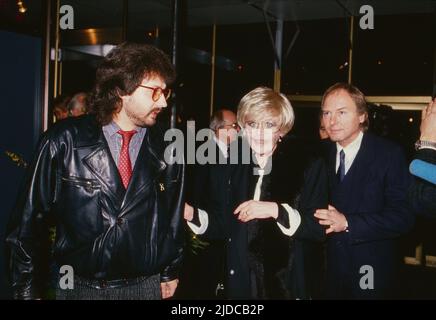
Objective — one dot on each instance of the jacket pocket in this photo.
(88, 184)
(79, 208)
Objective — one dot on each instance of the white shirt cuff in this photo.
(204, 223)
(294, 220)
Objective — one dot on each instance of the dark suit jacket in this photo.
(373, 198)
(204, 269)
(212, 193)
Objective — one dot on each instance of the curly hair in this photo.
(120, 73)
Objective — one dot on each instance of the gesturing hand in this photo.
(252, 209)
(428, 122)
(332, 218)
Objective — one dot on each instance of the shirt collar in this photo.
(353, 147)
(112, 128)
(221, 145)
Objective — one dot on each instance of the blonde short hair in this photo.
(263, 102)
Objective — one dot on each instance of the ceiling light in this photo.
(21, 7)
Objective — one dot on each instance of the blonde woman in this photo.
(275, 198)
(271, 201)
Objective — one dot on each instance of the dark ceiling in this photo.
(145, 14)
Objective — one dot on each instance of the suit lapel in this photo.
(333, 182)
(355, 177)
(357, 174)
(149, 164)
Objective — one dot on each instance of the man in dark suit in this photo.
(210, 196)
(368, 207)
(103, 181)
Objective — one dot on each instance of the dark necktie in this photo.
(341, 170)
(124, 164)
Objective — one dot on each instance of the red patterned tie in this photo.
(124, 164)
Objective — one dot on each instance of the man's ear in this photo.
(120, 100)
(118, 93)
(123, 98)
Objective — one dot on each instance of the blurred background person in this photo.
(204, 270)
(223, 123)
(323, 135)
(324, 141)
(60, 109)
(77, 105)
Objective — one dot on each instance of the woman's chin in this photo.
(262, 149)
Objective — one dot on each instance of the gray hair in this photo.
(217, 119)
(78, 101)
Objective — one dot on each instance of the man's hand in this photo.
(332, 218)
(251, 209)
(428, 122)
(168, 288)
(188, 214)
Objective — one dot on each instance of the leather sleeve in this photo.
(314, 195)
(176, 232)
(25, 241)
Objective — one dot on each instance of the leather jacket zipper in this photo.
(89, 185)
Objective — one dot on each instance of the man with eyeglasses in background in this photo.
(208, 195)
(225, 127)
(102, 182)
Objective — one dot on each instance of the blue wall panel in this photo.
(20, 109)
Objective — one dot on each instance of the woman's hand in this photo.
(188, 213)
(251, 209)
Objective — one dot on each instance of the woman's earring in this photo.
(280, 138)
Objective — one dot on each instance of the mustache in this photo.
(158, 110)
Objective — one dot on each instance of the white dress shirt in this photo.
(221, 145)
(350, 152)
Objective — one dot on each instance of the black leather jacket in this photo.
(102, 230)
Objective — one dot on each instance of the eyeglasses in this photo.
(234, 125)
(158, 92)
(264, 125)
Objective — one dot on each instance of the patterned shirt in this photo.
(115, 140)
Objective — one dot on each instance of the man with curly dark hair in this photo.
(102, 179)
